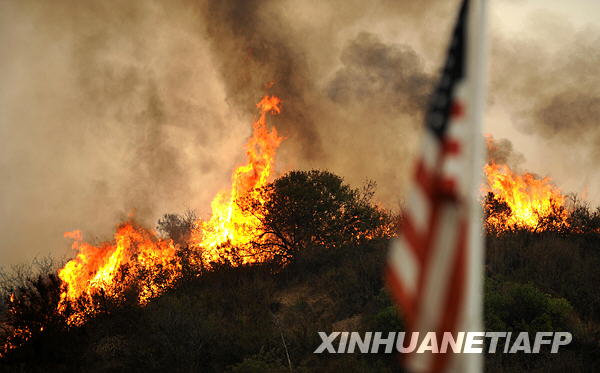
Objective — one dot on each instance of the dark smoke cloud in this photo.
(378, 94)
(571, 117)
(549, 83)
(556, 94)
(501, 151)
(351, 101)
(108, 106)
(391, 75)
(255, 54)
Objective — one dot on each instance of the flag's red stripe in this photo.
(426, 252)
(451, 146)
(424, 179)
(457, 110)
(455, 292)
(400, 295)
(434, 187)
(448, 188)
(416, 240)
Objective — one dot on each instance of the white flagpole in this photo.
(477, 72)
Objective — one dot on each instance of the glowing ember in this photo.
(229, 226)
(532, 203)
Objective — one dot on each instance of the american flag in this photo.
(427, 270)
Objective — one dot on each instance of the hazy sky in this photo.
(555, 29)
(110, 107)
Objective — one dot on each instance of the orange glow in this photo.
(535, 204)
(229, 226)
(111, 268)
(137, 260)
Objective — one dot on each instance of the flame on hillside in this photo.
(521, 201)
(140, 263)
(229, 224)
(135, 258)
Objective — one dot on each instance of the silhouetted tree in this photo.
(582, 219)
(303, 210)
(177, 227)
(499, 210)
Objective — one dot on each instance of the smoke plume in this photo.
(115, 108)
(553, 98)
(502, 152)
(111, 107)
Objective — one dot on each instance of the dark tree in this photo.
(177, 227)
(31, 309)
(582, 218)
(498, 210)
(304, 210)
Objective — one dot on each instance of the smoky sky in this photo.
(110, 109)
(502, 151)
(391, 75)
(255, 55)
(559, 96)
(549, 83)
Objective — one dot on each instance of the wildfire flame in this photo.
(110, 269)
(229, 224)
(138, 259)
(139, 264)
(534, 204)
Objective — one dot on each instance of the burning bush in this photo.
(500, 217)
(31, 296)
(228, 234)
(177, 227)
(522, 201)
(139, 265)
(516, 202)
(136, 262)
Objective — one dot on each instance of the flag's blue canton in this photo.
(438, 114)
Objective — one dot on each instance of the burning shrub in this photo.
(227, 235)
(497, 213)
(500, 217)
(136, 263)
(31, 308)
(522, 201)
(177, 227)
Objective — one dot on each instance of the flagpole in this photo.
(477, 66)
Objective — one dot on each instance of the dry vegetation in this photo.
(250, 318)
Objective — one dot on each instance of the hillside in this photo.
(253, 317)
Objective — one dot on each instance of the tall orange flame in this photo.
(110, 269)
(534, 203)
(138, 260)
(229, 224)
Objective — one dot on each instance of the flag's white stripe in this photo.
(405, 264)
(454, 169)
(434, 290)
(460, 90)
(430, 150)
(419, 208)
